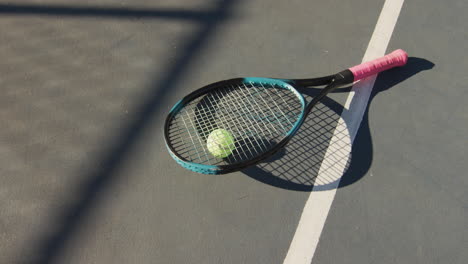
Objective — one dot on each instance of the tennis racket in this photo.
(233, 124)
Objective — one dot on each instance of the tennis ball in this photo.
(220, 143)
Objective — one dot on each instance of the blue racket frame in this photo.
(332, 81)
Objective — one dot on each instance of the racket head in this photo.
(261, 114)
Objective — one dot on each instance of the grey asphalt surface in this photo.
(86, 178)
(411, 205)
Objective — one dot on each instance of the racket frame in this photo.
(331, 82)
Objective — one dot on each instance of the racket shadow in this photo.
(296, 167)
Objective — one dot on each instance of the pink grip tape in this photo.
(394, 59)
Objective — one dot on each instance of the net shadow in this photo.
(107, 12)
(50, 245)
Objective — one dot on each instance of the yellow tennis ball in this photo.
(220, 143)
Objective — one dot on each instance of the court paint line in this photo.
(309, 229)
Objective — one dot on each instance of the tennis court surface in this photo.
(377, 173)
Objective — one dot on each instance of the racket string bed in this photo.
(258, 131)
(262, 105)
(280, 110)
(263, 123)
(257, 116)
(251, 106)
(220, 121)
(238, 123)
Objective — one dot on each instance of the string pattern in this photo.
(258, 116)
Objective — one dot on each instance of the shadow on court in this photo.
(52, 243)
(110, 12)
(297, 166)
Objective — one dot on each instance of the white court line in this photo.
(304, 243)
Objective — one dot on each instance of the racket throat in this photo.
(339, 79)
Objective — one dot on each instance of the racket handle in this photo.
(394, 59)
